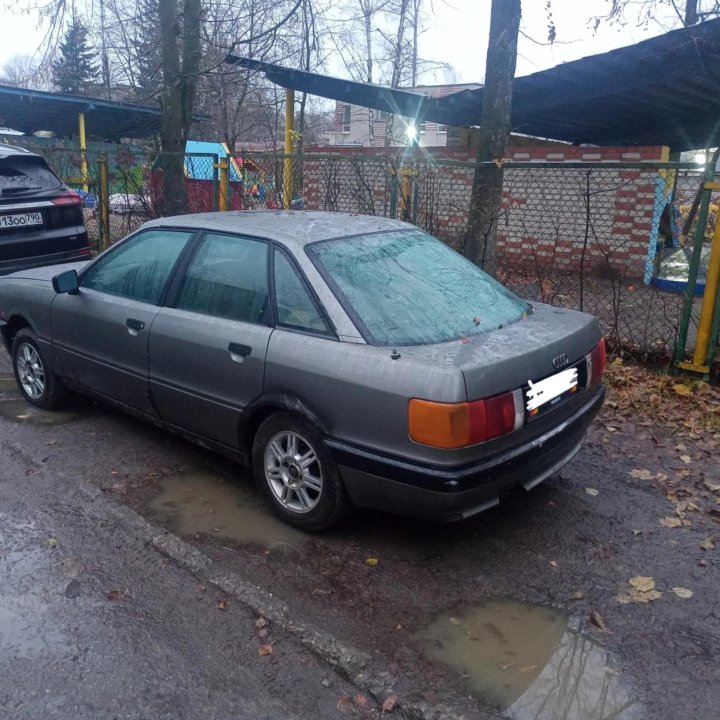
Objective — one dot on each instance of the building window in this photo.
(346, 118)
(442, 129)
(381, 115)
(422, 127)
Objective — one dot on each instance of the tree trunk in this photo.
(495, 126)
(178, 97)
(691, 12)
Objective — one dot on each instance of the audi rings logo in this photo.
(561, 361)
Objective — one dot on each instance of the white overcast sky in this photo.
(458, 34)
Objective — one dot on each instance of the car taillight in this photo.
(456, 425)
(68, 198)
(596, 360)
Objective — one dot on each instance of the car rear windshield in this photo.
(20, 174)
(407, 288)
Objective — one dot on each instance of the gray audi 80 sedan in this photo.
(349, 360)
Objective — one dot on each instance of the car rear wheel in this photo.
(37, 382)
(297, 475)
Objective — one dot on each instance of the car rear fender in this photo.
(260, 409)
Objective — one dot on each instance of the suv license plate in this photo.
(20, 220)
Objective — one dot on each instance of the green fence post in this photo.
(216, 183)
(694, 266)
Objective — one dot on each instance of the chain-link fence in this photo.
(613, 239)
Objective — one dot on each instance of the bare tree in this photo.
(25, 72)
(643, 12)
(495, 119)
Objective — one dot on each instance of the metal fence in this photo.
(609, 238)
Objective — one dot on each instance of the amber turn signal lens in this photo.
(443, 425)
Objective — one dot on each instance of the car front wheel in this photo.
(297, 475)
(37, 382)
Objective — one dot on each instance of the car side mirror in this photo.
(66, 282)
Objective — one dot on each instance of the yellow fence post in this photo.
(712, 283)
(83, 152)
(223, 165)
(104, 202)
(289, 135)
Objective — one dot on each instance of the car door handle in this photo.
(239, 352)
(134, 326)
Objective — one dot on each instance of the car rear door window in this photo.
(140, 267)
(228, 278)
(294, 304)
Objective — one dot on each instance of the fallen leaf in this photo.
(222, 605)
(262, 632)
(708, 543)
(683, 593)
(686, 459)
(670, 522)
(117, 595)
(346, 706)
(360, 700)
(261, 622)
(711, 486)
(554, 563)
(371, 561)
(642, 583)
(265, 649)
(578, 595)
(591, 491)
(51, 442)
(642, 474)
(390, 703)
(645, 597)
(681, 389)
(597, 621)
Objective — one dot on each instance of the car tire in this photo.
(297, 475)
(38, 384)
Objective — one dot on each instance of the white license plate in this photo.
(20, 220)
(547, 390)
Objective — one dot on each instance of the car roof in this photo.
(9, 150)
(293, 228)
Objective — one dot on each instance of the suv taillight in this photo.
(68, 198)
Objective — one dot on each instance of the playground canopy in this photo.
(661, 91)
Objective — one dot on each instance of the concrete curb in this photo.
(356, 666)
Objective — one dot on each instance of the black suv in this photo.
(41, 220)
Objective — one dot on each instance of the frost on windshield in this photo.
(406, 288)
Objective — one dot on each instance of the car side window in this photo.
(227, 278)
(140, 267)
(293, 301)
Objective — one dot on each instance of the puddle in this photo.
(203, 503)
(18, 411)
(529, 662)
(8, 384)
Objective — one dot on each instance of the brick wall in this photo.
(600, 218)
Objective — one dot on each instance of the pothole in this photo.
(200, 503)
(530, 662)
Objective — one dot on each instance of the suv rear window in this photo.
(21, 174)
(407, 288)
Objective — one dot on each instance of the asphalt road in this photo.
(399, 589)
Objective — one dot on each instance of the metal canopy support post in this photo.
(694, 267)
(83, 152)
(289, 135)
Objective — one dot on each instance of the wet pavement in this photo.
(524, 608)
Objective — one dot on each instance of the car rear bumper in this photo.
(447, 494)
(58, 258)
